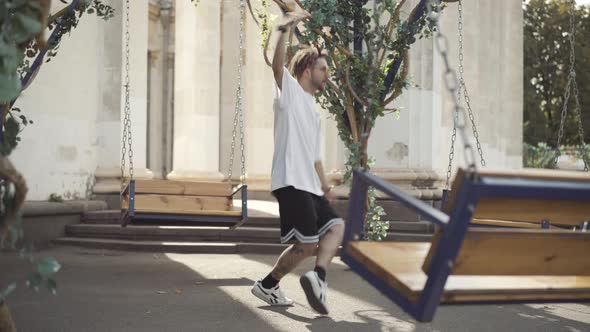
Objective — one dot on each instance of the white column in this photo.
(110, 119)
(229, 83)
(138, 46)
(493, 74)
(108, 123)
(197, 91)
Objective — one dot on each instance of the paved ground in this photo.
(126, 291)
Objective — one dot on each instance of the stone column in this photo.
(197, 91)
(161, 57)
(493, 73)
(230, 20)
(110, 120)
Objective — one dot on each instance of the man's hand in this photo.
(278, 61)
(330, 196)
(292, 19)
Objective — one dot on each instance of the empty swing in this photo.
(186, 201)
(487, 213)
(466, 264)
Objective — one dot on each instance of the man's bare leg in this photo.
(328, 245)
(291, 257)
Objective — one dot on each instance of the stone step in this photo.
(195, 246)
(102, 217)
(265, 204)
(175, 233)
(177, 247)
(214, 233)
(111, 217)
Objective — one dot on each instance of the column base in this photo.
(186, 175)
(108, 180)
(424, 184)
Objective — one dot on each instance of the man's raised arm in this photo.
(278, 60)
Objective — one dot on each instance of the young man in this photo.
(298, 180)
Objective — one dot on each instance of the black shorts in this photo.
(304, 215)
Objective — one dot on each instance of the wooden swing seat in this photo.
(522, 265)
(184, 200)
(466, 264)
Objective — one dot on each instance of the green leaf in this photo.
(10, 87)
(11, 131)
(12, 235)
(31, 24)
(6, 48)
(52, 286)
(34, 280)
(9, 289)
(48, 266)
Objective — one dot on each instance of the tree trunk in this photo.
(6, 322)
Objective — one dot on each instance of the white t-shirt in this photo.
(296, 138)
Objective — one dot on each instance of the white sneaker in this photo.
(273, 296)
(315, 290)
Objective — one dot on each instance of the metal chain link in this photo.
(578, 111)
(572, 82)
(566, 99)
(238, 115)
(464, 86)
(453, 139)
(452, 84)
(580, 127)
(127, 136)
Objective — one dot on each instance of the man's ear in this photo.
(307, 72)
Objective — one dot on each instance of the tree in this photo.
(367, 43)
(546, 70)
(23, 47)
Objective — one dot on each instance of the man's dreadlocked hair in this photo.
(304, 58)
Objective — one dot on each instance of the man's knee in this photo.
(306, 249)
(338, 229)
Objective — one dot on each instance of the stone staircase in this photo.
(260, 234)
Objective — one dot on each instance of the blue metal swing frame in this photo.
(130, 214)
(454, 226)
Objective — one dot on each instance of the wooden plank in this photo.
(390, 262)
(169, 187)
(539, 174)
(190, 205)
(505, 223)
(529, 173)
(520, 252)
(558, 212)
(399, 265)
(457, 184)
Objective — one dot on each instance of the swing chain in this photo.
(572, 82)
(452, 84)
(238, 115)
(127, 137)
(452, 151)
(464, 86)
